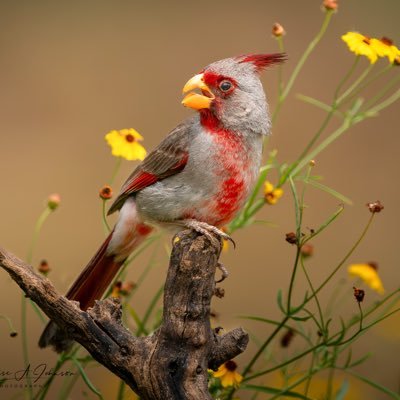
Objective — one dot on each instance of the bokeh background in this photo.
(73, 70)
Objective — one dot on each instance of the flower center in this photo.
(387, 41)
(129, 138)
(367, 40)
(231, 365)
(373, 265)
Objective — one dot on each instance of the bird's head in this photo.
(231, 94)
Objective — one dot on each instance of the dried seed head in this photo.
(13, 334)
(287, 338)
(291, 238)
(359, 294)
(375, 206)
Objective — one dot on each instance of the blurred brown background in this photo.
(72, 71)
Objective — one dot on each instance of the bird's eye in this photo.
(225, 86)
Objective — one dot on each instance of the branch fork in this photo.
(172, 362)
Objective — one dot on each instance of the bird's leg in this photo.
(207, 230)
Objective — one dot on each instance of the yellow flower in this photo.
(360, 45)
(272, 195)
(228, 375)
(124, 143)
(369, 274)
(385, 48)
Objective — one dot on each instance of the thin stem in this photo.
(345, 258)
(121, 390)
(331, 375)
(25, 353)
(346, 77)
(264, 346)
(382, 92)
(106, 226)
(301, 62)
(394, 97)
(321, 314)
(279, 39)
(116, 169)
(24, 337)
(356, 83)
(369, 81)
(38, 226)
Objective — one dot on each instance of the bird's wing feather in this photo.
(168, 158)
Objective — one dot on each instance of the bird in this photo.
(198, 177)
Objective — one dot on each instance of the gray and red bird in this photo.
(198, 177)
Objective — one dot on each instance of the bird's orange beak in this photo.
(196, 100)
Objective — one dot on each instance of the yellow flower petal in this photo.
(124, 143)
(360, 45)
(271, 194)
(368, 274)
(385, 48)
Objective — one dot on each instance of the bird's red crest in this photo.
(262, 61)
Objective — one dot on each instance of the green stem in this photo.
(331, 375)
(321, 314)
(345, 258)
(366, 84)
(346, 77)
(116, 170)
(301, 62)
(106, 227)
(356, 83)
(38, 226)
(25, 353)
(264, 346)
(121, 390)
(394, 97)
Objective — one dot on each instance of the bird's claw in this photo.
(224, 272)
(208, 231)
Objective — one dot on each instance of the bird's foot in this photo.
(207, 230)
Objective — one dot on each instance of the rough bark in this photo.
(171, 363)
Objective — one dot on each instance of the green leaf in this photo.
(86, 378)
(137, 320)
(260, 319)
(342, 391)
(301, 318)
(330, 191)
(271, 390)
(360, 360)
(279, 300)
(375, 385)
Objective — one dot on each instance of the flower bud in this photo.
(53, 201)
(278, 30)
(307, 250)
(44, 267)
(106, 192)
(330, 4)
(312, 163)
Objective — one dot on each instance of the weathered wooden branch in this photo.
(171, 363)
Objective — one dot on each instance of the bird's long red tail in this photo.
(90, 285)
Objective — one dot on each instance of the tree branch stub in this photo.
(171, 363)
